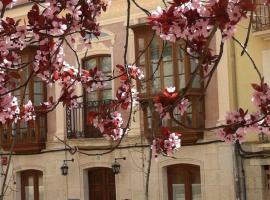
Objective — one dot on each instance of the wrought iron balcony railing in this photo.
(29, 137)
(76, 118)
(261, 17)
(77, 126)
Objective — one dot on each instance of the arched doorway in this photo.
(101, 182)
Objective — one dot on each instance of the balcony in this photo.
(194, 117)
(29, 137)
(261, 17)
(76, 118)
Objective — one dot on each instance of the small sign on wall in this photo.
(4, 160)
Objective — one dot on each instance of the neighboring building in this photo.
(256, 170)
(200, 172)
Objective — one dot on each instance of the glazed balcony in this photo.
(29, 137)
(76, 118)
(194, 117)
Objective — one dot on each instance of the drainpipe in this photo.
(239, 172)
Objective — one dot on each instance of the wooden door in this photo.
(184, 182)
(101, 184)
(31, 185)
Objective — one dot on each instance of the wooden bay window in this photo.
(176, 69)
(29, 135)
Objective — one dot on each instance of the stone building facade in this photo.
(198, 171)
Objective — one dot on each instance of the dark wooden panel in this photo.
(101, 183)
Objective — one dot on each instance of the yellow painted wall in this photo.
(245, 73)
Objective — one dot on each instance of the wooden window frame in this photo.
(146, 32)
(187, 169)
(31, 136)
(24, 182)
(29, 52)
(98, 58)
(194, 94)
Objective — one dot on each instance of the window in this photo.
(32, 185)
(184, 182)
(35, 91)
(103, 63)
(176, 68)
(101, 182)
(99, 98)
(30, 136)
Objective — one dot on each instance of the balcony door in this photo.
(101, 183)
(95, 100)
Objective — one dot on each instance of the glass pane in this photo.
(193, 64)
(141, 43)
(29, 190)
(25, 73)
(107, 94)
(108, 85)
(197, 81)
(142, 59)
(189, 116)
(189, 119)
(26, 94)
(196, 184)
(154, 50)
(196, 192)
(181, 72)
(167, 54)
(177, 116)
(156, 85)
(168, 68)
(155, 69)
(92, 96)
(38, 98)
(106, 64)
(178, 191)
(181, 67)
(182, 82)
(180, 54)
(168, 81)
(149, 117)
(38, 87)
(40, 188)
(142, 87)
(91, 63)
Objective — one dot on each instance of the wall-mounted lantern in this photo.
(64, 167)
(116, 166)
